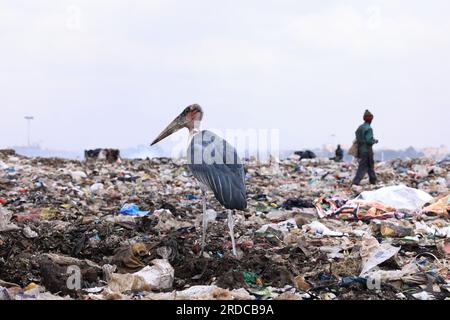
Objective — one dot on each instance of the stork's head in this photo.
(190, 118)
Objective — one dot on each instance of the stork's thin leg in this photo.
(204, 223)
(231, 227)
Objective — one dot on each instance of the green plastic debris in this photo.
(250, 277)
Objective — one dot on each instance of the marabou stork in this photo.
(215, 164)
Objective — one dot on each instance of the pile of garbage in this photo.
(131, 229)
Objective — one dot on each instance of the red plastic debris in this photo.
(34, 214)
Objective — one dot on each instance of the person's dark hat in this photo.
(367, 115)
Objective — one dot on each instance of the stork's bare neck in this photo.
(192, 132)
(194, 128)
(194, 120)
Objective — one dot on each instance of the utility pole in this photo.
(29, 118)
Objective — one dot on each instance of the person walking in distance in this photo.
(365, 141)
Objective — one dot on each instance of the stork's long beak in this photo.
(177, 124)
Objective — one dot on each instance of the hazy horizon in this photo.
(142, 152)
(96, 75)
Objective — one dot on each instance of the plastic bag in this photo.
(399, 197)
(353, 151)
(373, 253)
(132, 210)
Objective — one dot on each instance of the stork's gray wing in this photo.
(216, 164)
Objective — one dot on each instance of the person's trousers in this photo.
(366, 165)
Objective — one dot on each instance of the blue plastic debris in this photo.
(323, 276)
(346, 281)
(132, 210)
(191, 197)
(95, 238)
(39, 184)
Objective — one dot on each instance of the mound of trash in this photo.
(98, 230)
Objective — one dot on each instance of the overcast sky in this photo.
(113, 73)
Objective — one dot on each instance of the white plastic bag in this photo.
(5, 217)
(399, 197)
(159, 276)
(373, 253)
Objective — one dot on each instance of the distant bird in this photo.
(215, 164)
